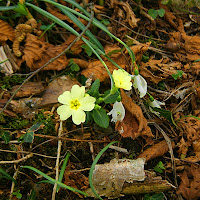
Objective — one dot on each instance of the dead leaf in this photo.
(6, 32)
(56, 88)
(134, 123)
(124, 11)
(29, 89)
(190, 184)
(155, 151)
(37, 53)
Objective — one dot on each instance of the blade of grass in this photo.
(93, 167)
(6, 175)
(63, 169)
(53, 181)
(95, 22)
(6, 8)
(82, 27)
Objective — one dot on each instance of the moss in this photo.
(8, 81)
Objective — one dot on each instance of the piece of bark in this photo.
(29, 89)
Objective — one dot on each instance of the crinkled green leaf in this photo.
(112, 98)
(6, 136)
(94, 90)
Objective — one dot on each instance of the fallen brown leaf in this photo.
(134, 123)
(6, 32)
(155, 151)
(190, 183)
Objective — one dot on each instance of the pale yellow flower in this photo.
(75, 103)
(122, 79)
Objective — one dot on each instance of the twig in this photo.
(17, 161)
(57, 162)
(13, 184)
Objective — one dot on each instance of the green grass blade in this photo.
(54, 181)
(62, 171)
(6, 8)
(6, 175)
(82, 27)
(93, 166)
(94, 21)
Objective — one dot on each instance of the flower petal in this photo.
(122, 79)
(65, 98)
(87, 103)
(64, 111)
(118, 112)
(141, 84)
(77, 92)
(156, 104)
(78, 116)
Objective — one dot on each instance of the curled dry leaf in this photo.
(155, 151)
(157, 70)
(190, 127)
(6, 32)
(190, 184)
(29, 89)
(124, 11)
(134, 123)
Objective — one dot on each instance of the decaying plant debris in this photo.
(167, 56)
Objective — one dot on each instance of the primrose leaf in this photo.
(167, 114)
(153, 13)
(94, 90)
(100, 117)
(161, 12)
(29, 135)
(159, 196)
(112, 98)
(87, 49)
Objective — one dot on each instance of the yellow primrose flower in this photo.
(122, 79)
(75, 103)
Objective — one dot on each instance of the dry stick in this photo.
(13, 184)
(51, 60)
(17, 161)
(57, 162)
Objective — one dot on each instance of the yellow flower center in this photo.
(75, 104)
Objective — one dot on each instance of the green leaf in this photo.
(29, 135)
(110, 98)
(159, 196)
(159, 167)
(105, 22)
(94, 90)
(167, 114)
(6, 175)
(87, 49)
(17, 194)
(161, 12)
(6, 136)
(197, 60)
(74, 67)
(177, 75)
(21, 8)
(100, 117)
(153, 13)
